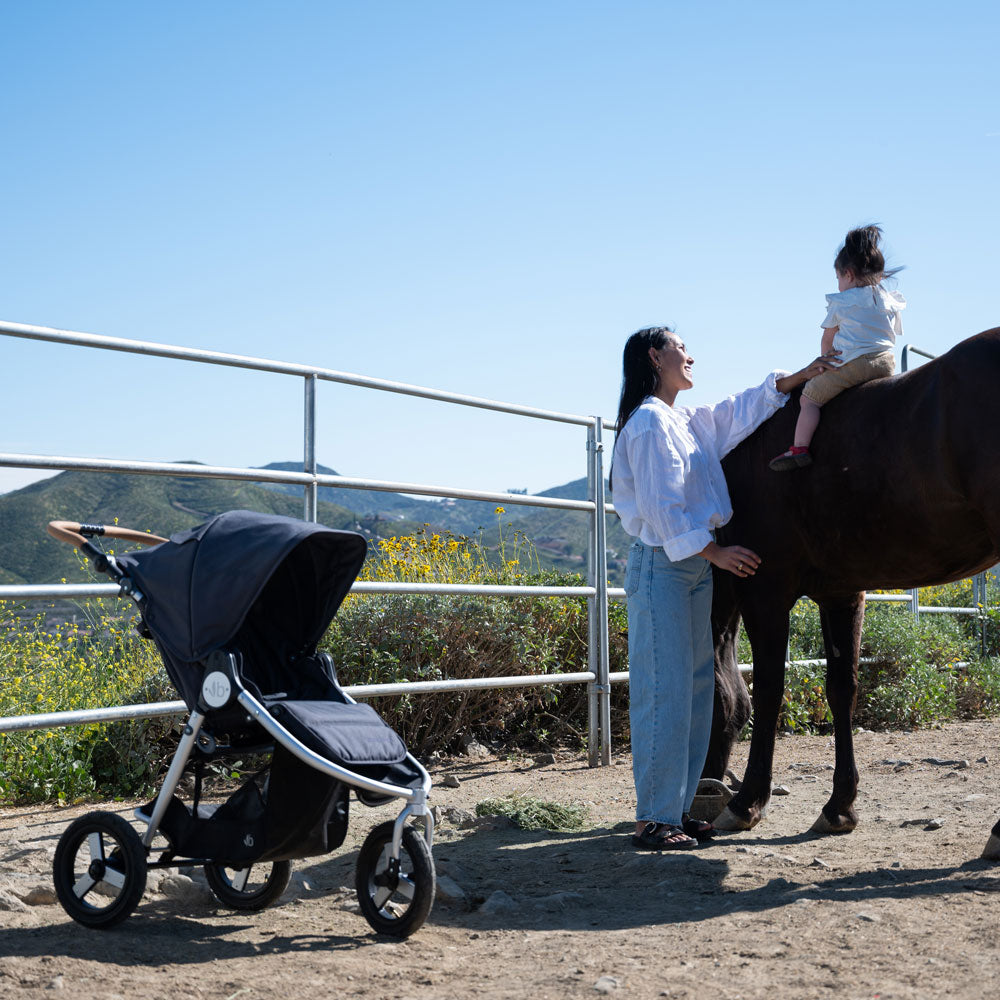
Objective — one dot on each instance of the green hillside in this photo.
(559, 536)
(463, 517)
(165, 504)
(160, 504)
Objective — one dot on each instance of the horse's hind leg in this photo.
(841, 621)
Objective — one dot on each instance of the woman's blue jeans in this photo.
(671, 678)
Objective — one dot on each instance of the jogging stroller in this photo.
(236, 608)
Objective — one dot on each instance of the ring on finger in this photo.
(739, 567)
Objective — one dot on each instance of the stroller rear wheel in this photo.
(99, 869)
(250, 888)
(395, 900)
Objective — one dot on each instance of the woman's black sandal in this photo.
(663, 837)
(700, 829)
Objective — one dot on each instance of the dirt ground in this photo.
(894, 910)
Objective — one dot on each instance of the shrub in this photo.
(384, 639)
(992, 632)
(919, 696)
(805, 636)
(978, 689)
(804, 706)
(905, 677)
(90, 664)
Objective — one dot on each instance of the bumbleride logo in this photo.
(248, 840)
(216, 689)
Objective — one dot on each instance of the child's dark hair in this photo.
(861, 255)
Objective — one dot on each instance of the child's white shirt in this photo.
(868, 318)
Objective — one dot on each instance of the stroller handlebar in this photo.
(76, 534)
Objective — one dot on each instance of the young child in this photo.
(862, 324)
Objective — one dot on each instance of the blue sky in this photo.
(480, 197)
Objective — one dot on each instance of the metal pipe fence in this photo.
(596, 591)
(597, 509)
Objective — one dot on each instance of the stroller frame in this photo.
(393, 900)
(416, 798)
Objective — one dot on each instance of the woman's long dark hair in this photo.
(638, 374)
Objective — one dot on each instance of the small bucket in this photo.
(711, 798)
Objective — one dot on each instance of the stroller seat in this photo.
(350, 734)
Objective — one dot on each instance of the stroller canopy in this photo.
(267, 584)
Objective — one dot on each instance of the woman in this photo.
(670, 492)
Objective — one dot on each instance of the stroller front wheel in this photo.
(251, 888)
(395, 902)
(99, 869)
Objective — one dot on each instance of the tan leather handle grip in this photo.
(69, 531)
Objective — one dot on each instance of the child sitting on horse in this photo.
(862, 324)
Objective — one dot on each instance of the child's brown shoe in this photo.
(795, 458)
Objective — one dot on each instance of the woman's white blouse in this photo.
(669, 488)
(868, 318)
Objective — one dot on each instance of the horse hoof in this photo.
(992, 850)
(728, 820)
(824, 826)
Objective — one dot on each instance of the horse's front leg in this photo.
(732, 700)
(767, 630)
(842, 620)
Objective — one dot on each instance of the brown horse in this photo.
(904, 492)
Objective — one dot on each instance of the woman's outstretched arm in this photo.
(824, 363)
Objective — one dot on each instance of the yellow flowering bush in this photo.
(92, 662)
(432, 557)
(388, 638)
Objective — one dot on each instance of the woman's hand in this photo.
(734, 559)
(824, 363)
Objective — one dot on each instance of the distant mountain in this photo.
(162, 505)
(165, 504)
(560, 536)
(390, 506)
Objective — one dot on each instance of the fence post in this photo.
(915, 603)
(309, 458)
(979, 598)
(600, 693)
(593, 706)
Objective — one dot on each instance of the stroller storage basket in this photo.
(284, 812)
